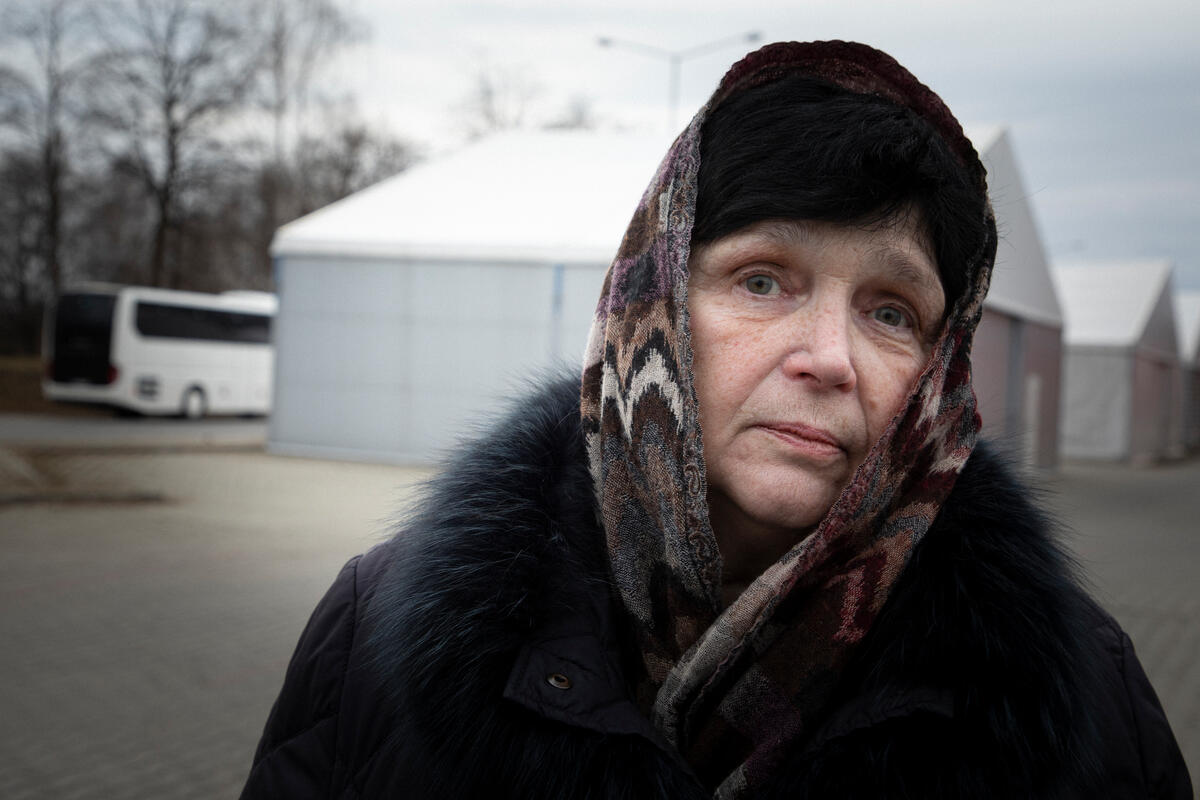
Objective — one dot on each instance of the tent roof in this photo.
(1021, 283)
(567, 196)
(1113, 304)
(1187, 317)
(558, 196)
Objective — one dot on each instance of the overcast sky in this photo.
(1103, 100)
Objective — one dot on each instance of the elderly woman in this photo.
(759, 553)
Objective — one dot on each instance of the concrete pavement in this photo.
(143, 640)
(1137, 532)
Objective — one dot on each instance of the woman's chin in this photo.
(789, 494)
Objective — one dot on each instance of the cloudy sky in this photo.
(1103, 100)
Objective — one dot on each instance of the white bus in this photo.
(158, 351)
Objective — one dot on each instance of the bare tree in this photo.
(349, 158)
(20, 274)
(499, 99)
(577, 114)
(110, 237)
(503, 98)
(300, 36)
(174, 70)
(168, 197)
(35, 100)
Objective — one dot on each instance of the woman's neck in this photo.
(747, 548)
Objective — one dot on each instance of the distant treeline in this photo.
(162, 142)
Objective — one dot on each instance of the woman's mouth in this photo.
(805, 438)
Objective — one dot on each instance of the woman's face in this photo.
(807, 338)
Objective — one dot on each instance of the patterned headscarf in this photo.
(736, 688)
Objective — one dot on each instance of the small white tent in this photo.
(1017, 353)
(409, 308)
(1122, 360)
(1187, 317)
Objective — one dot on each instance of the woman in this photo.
(758, 553)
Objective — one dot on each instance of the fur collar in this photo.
(986, 625)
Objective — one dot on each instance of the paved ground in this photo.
(142, 642)
(1137, 531)
(149, 603)
(92, 431)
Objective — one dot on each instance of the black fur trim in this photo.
(979, 679)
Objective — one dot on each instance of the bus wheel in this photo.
(194, 405)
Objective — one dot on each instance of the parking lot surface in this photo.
(144, 639)
(150, 601)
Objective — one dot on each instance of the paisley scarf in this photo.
(736, 689)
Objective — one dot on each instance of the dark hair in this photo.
(800, 148)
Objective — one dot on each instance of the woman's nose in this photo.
(820, 348)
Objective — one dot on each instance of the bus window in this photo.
(185, 322)
(254, 328)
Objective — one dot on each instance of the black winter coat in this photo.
(477, 655)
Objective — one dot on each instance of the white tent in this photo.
(1122, 362)
(409, 308)
(1017, 354)
(413, 306)
(1187, 317)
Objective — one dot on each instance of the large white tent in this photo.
(412, 307)
(1187, 318)
(1121, 374)
(1017, 354)
(409, 308)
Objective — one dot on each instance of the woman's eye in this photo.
(892, 316)
(761, 284)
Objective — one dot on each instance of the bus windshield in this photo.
(83, 337)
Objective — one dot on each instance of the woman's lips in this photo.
(811, 440)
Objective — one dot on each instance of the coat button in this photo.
(558, 680)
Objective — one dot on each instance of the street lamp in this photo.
(675, 59)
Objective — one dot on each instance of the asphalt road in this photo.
(150, 597)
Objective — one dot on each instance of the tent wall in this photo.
(1190, 378)
(1016, 369)
(1096, 404)
(1187, 317)
(1158, 386)
(395, 360)
(1177, 445)
(1042, 397)
(1154, 407)
(989, 371)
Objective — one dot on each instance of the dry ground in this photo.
(21, 391)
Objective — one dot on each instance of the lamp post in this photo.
(675, 59)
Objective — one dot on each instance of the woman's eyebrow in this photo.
(901, 265)
(785, 231)
(763, 238)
